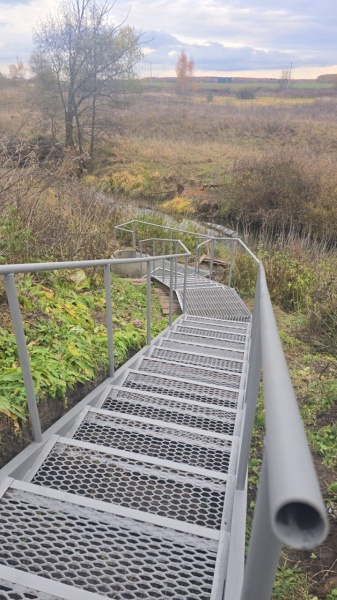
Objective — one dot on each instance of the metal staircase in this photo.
(135, 493)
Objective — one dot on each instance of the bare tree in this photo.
(82, 58)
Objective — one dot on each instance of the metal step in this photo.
(238, 329)
(152, 407)
(215, 302)
(189, 358)
(210, 320)
(151, 439)
(177, 388)
(206, 341)
(67, 541)
(172, 369)
(211, 333)
(90, 471)
(170, 343)
(19, 585)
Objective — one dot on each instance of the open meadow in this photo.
(257, 159)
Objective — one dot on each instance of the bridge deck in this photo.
(135, 500)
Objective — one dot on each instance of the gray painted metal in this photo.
(23, 354)
(145, 497)
(109, 322)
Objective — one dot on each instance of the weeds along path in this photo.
(64, 318)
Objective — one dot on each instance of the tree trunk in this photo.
(69, 119)
(93, 126)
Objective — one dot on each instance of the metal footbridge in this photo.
(139, 492)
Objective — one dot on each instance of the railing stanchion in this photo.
(233, 242)
(196, 255)
(253, 385)
(211, 260)
(134, 236)
(141, 256)
(154, 254)
(108, 299)
(171, 292)
(176, 265)
(264, 548)
(163, 252)
(148, 303)
(14, 308)
(185, 284)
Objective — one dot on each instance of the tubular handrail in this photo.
(294, 493)
(215, 240)
(289, 507)
(135, 222)
(9, 271)
(79, 264)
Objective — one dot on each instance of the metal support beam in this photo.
(171, 292)
(109, 325)
(14, 308)
(264, 548)
(233, 243)
(148, 303)
(211, 259)
(253, 385)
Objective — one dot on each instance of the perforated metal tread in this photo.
(224, 327)
(155, 440)
(190, 414)
(13, 591)
(219, 302)
(131, 483)
(207, 341)
(201, 374)
(209, 362)
(211, 333)
(213, 321)
(101, 552)
(181, 389)
(193, 348)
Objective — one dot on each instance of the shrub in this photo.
(245, 94)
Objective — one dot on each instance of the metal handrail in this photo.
(289, 507)
(215, 240)
(134, 222)
(9, 271)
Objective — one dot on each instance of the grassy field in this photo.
(266, 166)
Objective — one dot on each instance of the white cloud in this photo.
(232, 33)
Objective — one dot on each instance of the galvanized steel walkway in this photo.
(135, 501)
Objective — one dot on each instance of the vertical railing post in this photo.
(175, 265)
(14, 308)
(171, 292)
(264, 548)
(108, 300)
(134, 236)
(233, 242)
(148, 303)
(211, 260)
(154, 254)
(196, 255)
(163, 252)
(141, 256)
(252, 387)
(185, 284)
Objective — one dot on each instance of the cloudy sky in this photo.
(222, 36)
